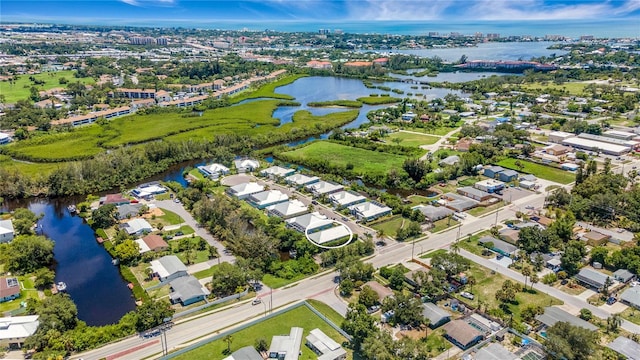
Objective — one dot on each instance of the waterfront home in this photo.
(286, 347)
(276, 172)
(14, 330)
(9, 289)
(344, 199)
(300, 180)
(322, 187)
(6, 231)
(287, 209)
(312, 221)
(136, 227)
(369, 210)
(324, 346)
(128, 211)
(246, 165)
(244, 190)
(153, 243)
(168, 268)
(266, 198)
(213, 171)
(186, 290)
(115, 199)
(147, 191)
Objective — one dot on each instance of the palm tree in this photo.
(613, 322)
(455, 247)
(526, 272)
(380, 233)
(534, 279)
(228, 339)
(471, 280)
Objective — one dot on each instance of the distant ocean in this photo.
(570, 28)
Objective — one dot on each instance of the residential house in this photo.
(409, 276)
(245, 353)
(369, 210)
(244, 190)
(128, 211)
(499, 246)
(459, 202)
(436, 315)
(495, 351)
(592, 278)
(14, 330)
(344, 199)
(287, 209)
(213, 171)
(464, 144)
(408, 116)
(489, 185)
(508, 175)
(313, 221)
(147, 191)
(625, 347)
(433, 213)
(552, 315)
(301, 180)
(322, 187)
(168, 268)
(153, 243)
(277, 172)
(462, 334)
(286, 347)
(631, 297)
(449, 160)
(115, 199)
(474, 193)
(509, 235)
(9, 289)
(186, 290)
(325, 347)
(382, 291)
(623, 275)
(331, 234)
(267, 198)
(246, 165)
(136, 227)
(6, 231)
(492, 171)
(595, 238)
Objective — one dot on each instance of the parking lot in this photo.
(511, 194)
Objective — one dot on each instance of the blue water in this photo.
(452, 77)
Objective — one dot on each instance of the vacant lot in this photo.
(21, 89)
(278, 325)
(574, 88)
(389, 227)
(542, 171)
(363, 161)
(410, 139)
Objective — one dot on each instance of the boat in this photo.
(72, 208)
(61, 286)
(115, 262)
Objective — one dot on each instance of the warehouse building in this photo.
(593, 145)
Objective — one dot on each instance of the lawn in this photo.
(27, 168)
(378, 100)
(487, 284)
(278, 325)
(481, 210)
(269, 90)
(389, 226)
(433, 253)
(275, 282)
(204, 274)
(21, 89)
(541, 171)
(410, 139)
(574, 88)
(195, 173)
(170, 218)
(443, 224)
(363, 161)
(631, 314)
(418, 199)
(327, 311)
(440, 131)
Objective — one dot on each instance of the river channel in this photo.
(94, 284)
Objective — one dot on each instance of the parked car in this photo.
(256, 301)
(467, 295)
(314, 202)
(179, 233)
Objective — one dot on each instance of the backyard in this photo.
(278, 325)
(542, 171)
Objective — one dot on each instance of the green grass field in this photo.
(389, 226)
(170, 218)
(275, 282)
(363, 161)
(378, 100)
(342, 103)
(278, 325)
(574, 88)
(21, 89)
(80, 143)
(411, 139)
(30, 169)
(541, 171)
(268, 90)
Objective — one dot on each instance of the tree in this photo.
(26, 254)
(57, 314)
(358, 324)
(534, 279)
(526, 272)
(127, 251)
(261, 345)
(607, 285)
(104, 216)
(532, 239)
(572, 257)
(613, 322)
(368, 297)
(416, 168)
(227, 279)
(599, 254)
(228, 339)
(152, 313)
(44, 278)
(23, 221)
(565, 341)
(396, 280)
(452, 264)
(346, 287)
(507, 293)
(586, 314)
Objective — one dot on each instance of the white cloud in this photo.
(150, 2)
(536, 10)
(399, 9)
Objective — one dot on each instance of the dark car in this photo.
(179, 233)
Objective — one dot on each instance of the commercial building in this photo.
(286, 347)
(474, 193)
(459, 202)
(325, 347)
(344, 199)
(6, 231)
(168, 268)
(266, 198)
(369, 210)
(508, 175)
(622, 135)
(552, 315)
(186, 290)
(14, 330)
(489, 185)
(593, 145)
(287, 209)
(492, 171)
(611, 140)
(244, 190)
(559, 136)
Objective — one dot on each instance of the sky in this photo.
(124, 12)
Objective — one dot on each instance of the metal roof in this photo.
(553, 315)
(626, 347)
(495, 351)
(632, 296)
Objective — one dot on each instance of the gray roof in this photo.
(185, 288)
(495, 168)
(528, 177)
(623, 275)
(498, 244)
(462, 332)
(495, 351)
(450, 160)
(434, 313)
(170, 264)
(553, 315)
(510, 172)
(626, 347)
(632, 296)
(473, 191)
(287, 346)
(460, 202)
(126, 210)
(434, 213)
(245, 353)
(592, 277)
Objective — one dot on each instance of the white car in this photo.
(467, 295)
(256, 301)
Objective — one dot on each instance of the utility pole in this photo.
(496, 222)
(413, 246)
